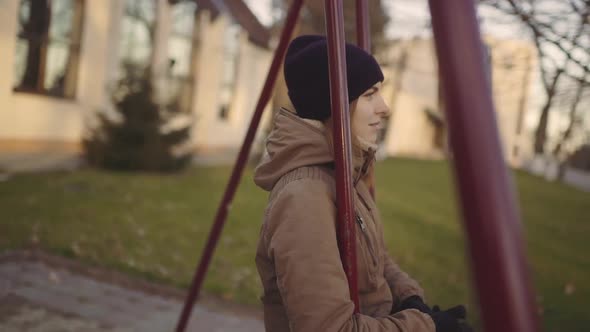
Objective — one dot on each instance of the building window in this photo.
(182, 45)
(229, 68)
(48, 47)
(138, 29)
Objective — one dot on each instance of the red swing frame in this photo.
(487, 200)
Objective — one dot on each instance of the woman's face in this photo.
(369, 116)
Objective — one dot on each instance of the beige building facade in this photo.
(417, 127)
(213, 55)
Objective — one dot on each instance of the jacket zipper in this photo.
(363, 227)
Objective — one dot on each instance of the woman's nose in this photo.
(382, 108)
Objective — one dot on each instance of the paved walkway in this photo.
(37, 297)
(14, 162)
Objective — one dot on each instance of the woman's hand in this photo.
(415, 302)
(450, 320)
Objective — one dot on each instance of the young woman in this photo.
(305, 287)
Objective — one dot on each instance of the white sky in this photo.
(408, 18)
(262, 10)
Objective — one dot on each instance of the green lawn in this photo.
(155, 226)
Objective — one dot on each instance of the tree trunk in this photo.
(561, 170)
(541, 132)
(568, 131)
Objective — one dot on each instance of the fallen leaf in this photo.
(76, 248)
(140, 231)
(227, 296)
(176, 257)
(162, 270)
(569, 288)
(131, 262)
(54, 277)
(452, 278)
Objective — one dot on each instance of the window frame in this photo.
(74, 46)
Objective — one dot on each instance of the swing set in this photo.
(489, 209)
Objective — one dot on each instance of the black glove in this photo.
(450, 320)
(415, 302)
(464, 327)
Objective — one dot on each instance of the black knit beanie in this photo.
(307, 76)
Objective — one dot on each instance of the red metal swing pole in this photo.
(342, 147)
(237, 172)
(490, 213)
(363, 40)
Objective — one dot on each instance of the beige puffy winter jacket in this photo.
(305, 288)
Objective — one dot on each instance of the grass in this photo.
(154, 226)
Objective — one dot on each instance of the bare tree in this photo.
(574, 119)
(560, 30)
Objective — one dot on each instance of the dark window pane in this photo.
(33, 25)
(180, 44)
(223, 112)
(24, 14)
(55, 68)
(62, 19)
(180, 52)
(137, 29)
(230, 65)
(179, 55)
(183, 19)
(179, 90)
(48, 35)
(20, 61)
(231, 53)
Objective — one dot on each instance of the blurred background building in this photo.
(61, 58)
(417, 127)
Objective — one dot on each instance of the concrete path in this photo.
(42, 161)
(37, 297)
(13, 162)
